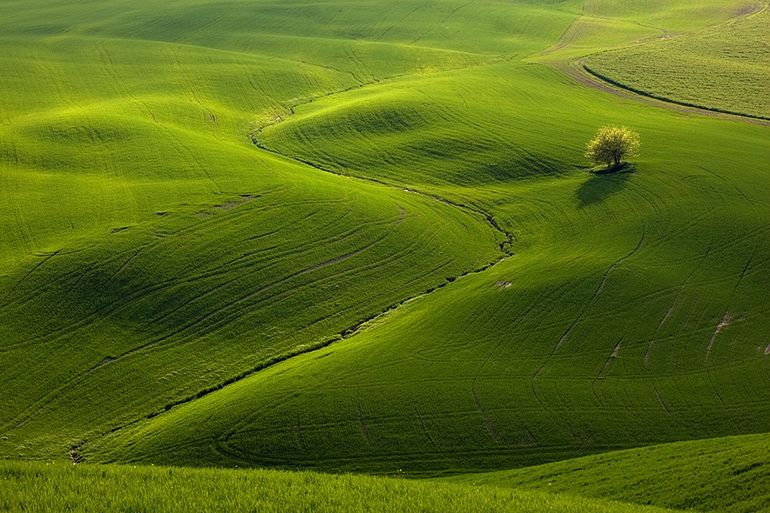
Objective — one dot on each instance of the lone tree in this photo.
(612, 144)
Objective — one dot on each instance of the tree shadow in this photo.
(602, 184)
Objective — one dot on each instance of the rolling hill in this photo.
(362, 236)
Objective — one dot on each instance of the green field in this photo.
(724, 68)
(718, 474)
(362, 236)
(39, 487)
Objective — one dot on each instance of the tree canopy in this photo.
(612, 144)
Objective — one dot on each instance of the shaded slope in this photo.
(352, 35)
(245, 281)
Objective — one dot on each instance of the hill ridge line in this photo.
(254, 137)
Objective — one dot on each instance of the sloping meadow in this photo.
(364, 237)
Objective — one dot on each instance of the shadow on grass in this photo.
(603, 183)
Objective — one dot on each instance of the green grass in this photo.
(724, 68)
(173, 293)
(37, 487)
(722, 474)
(605, 333)
(142, 229)
(606, 24)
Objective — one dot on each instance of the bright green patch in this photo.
(724, 68)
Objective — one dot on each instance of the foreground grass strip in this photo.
(38, 487)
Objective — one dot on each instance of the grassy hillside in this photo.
(605, 24)
(204, 203)
(725, 68)
(722, 474)
(151, 252)
(630, 313)
(84, 489)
